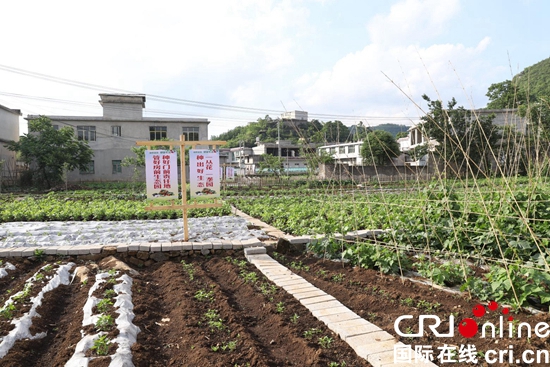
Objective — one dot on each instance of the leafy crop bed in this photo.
(86, 206)
(439, 231)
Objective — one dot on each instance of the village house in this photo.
(113, 135)
(9, 132)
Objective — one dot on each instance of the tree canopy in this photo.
(379, 147)
(313, 131)
(464, 139)
(49, 152)
(505, 94)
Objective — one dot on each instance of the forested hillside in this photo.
(313, 131)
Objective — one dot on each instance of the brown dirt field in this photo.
(220, 311)
(381, 299)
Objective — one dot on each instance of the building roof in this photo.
(100, 118)
(122, 98)
(15, 112)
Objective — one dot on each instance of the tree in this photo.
(335, 132)
(379, 148)
(505, 95)
(418, 152)
(272, 164)
(464, 139)
(402, 134)
(48, 151)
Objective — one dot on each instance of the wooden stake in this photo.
(184, 188)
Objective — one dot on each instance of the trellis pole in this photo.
(184, 207)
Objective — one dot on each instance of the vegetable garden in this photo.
(485, 238)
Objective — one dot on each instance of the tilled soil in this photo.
(214, 311)
(381, 299)
(221, 311)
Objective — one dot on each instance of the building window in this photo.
(191, 133)
(116, 130)
(157, 132)
(351, 149)
(342, 150)
(90, 169)
(117, 166)
(86, 133)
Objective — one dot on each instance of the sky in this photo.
(235, 61)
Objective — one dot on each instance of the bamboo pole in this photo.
(184, 188)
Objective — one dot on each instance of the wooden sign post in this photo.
(182, 143)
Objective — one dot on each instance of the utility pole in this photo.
(279, 139)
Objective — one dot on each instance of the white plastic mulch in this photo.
(43, 234)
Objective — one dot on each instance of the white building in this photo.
(9, 132)
(113, 135)
(414, 139)
(294, 115)
(248, 159)
(344, 153)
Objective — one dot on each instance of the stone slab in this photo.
(144, 246)
(63, 250)
(73, 250)
(16, 251)
(339, 317)
(382, 350)
(186, 246)
(370, 338)
(51, 250)
(351, 328)
(331, 311)
(95, 249)
(227, 245)
(290, 281)
(302, 240)
(28, 251)
(299, 287)
(201, 246)
(254, 251)
(122, 248)
(84, 250)
(155, 247)
(312, 300)
(324, 305)
(316, 293)
(174, 246)
(5, 252)
(265, 257)
(133, 246)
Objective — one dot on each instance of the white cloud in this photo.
(369, 81)
(412, 21)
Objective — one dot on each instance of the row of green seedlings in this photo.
(517, 286)
(498, 283)
(269, 290)
(17, 301)
(375, 290)
(105, 322)
(211, 317)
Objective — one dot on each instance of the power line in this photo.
(209, 105)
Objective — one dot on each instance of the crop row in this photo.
(52, 208)
(504, 225)
(440, 232)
